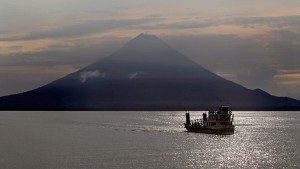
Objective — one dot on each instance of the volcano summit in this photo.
(145, 74)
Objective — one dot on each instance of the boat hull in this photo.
(219, 131)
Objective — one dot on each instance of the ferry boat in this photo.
(215, 122)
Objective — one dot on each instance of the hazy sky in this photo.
(254, 43)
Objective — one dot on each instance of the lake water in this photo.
(145, 140)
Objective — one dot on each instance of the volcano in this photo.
(145, 74)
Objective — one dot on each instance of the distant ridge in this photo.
(145, 74)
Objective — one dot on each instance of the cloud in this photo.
(253, 62)
(16, 47)
(151, 22)
(81, 53)
(134, 75)
(289, 78)
(286, 35)
(190, 24)
(85, 28)
(198, 23)
(85, 75)
(284, 48)
(292, 20)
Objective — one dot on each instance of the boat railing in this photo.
(214, 120)
(196, 120)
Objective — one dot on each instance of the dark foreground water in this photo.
(145, 140)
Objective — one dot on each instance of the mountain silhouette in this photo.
(145, 74)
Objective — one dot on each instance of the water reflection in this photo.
(145, 140)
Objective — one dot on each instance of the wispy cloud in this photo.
(85, 28)
(134, 75)
(85, 75)
(196, 23)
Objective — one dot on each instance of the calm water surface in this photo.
(145, 140)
